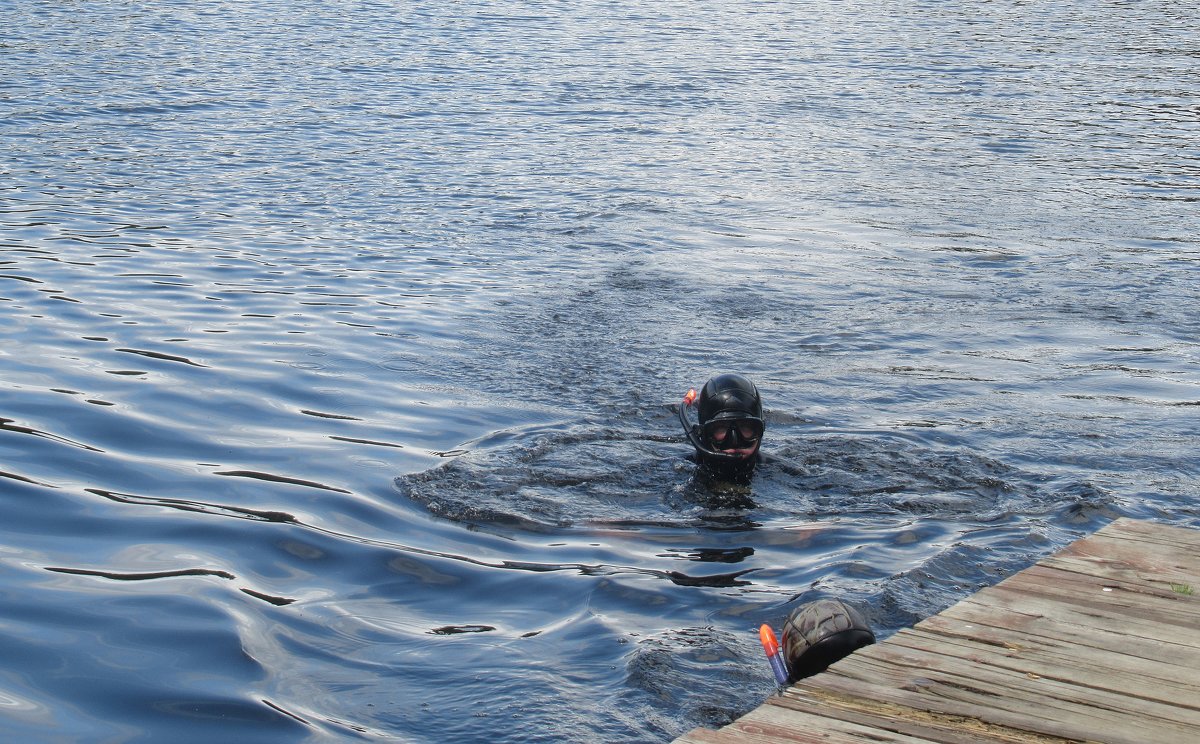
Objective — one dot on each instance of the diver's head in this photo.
(731, 423)
(730, 411)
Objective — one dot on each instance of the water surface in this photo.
(340, 345)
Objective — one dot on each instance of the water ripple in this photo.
(383, 310)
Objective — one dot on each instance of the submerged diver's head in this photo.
(731, 423)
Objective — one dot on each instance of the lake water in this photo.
(340, 344)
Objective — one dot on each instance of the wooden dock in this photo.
(1098, 643)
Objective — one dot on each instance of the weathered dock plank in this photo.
(1098, 643)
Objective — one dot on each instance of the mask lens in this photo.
(742, 431)
(749, 430)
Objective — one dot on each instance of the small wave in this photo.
(457, 629)
(12, 426)
(146, 576)
(371, 442)
(160, 355)
(23, 479)
(239, 512)
(279, 479)
(338, 416)
(171, 574)
(705, 676)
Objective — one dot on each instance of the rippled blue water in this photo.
(340, 344)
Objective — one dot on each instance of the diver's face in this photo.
(735, 437)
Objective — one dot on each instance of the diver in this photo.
(727, 441)
(730, 429)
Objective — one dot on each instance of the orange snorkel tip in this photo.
(690, 398)
(767, 637)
